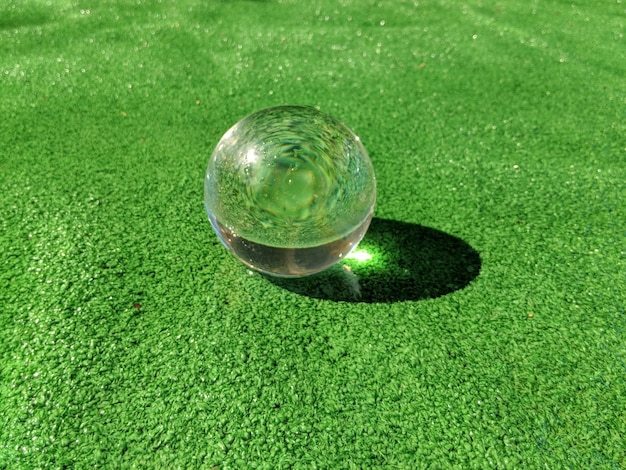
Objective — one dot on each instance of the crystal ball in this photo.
(289, 190)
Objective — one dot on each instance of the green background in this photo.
(487, 330)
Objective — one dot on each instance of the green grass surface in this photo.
(487, 330)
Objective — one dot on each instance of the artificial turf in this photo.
(486, 329)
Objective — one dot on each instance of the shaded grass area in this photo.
(396, 262)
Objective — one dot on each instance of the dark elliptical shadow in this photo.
(396, 261)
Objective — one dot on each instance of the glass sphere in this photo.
(290, 190)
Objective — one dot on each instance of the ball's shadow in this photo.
(396, 261)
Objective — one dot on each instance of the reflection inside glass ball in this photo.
(290, 190)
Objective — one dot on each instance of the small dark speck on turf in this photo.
(137, 305)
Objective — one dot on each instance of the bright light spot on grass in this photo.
(360, 255)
